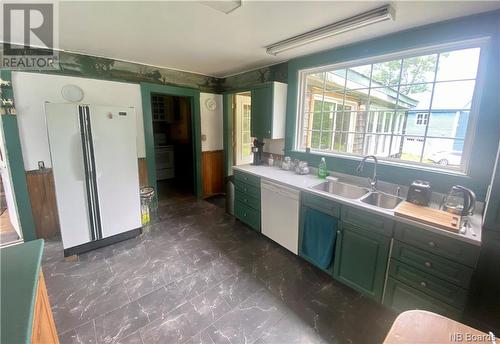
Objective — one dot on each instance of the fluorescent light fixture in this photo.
(224, 6)
(367, 18)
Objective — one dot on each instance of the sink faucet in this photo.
(374, 179)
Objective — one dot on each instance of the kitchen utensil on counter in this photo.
(257, 152)
(429, 216)
(270, 161)
(302, 168)
(460, 201)
(419, 192)
(287, 163)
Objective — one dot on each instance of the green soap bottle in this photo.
(322, 169)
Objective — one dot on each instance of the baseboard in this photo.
(92, 245)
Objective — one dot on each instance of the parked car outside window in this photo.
(445, 158)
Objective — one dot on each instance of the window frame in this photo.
(464, 168)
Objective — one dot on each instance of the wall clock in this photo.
(72, 93)
(211, 104)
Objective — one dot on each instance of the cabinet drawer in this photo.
(248, 189)
(440, 267)
(321, 204)
(367, 220)
(247, 200)
(402, 297)
(247, 215)
(428, 284)
(456, 250)
(247, 178)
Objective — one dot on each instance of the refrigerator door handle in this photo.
(93, 175)
(88, 188)
(90, 175)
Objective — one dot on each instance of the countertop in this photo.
(305, 182)
(20, 267)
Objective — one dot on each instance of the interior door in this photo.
(242, 130)
(66, 154)
(115, 153)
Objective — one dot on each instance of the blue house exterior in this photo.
(450, 125)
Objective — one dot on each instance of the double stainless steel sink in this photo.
(374, 198)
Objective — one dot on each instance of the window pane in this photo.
(335, 80)
(416, 96)
(385, 108)
(444, 152)
(412, 148)
(453, 95)
(315, 120)
(458, 64)
(327, 123)
(358, 77)
(378, 145)
(400, 118)
(358, 99)
(386, 73)
(306, 139)
(418, 69)
(446, 123)
(315, 136)
(314, 84)
(383, 98)
(416, 123)
(326, 140)
(389, 118)
(396, 146)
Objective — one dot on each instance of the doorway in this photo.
(242, 138)
(173, 146)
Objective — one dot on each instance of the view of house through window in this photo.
(415, 109)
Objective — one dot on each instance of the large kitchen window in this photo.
(414, 108)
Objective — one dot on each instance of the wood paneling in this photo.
(212, 172)
(143, 171)
(44, 329)
(42, 194)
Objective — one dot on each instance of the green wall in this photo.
(79, 65)
(247, 80)
(487, 133)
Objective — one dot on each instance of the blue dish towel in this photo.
(318, 239)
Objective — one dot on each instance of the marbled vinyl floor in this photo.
(200, 276)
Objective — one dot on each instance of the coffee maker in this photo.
(257, 149)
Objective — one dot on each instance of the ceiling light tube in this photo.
(367, 18)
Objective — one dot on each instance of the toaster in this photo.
(419, 192)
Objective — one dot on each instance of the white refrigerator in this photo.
(94, 162)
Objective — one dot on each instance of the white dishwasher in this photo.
(280, 214)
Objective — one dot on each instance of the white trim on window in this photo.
(396, 121)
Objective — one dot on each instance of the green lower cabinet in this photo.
(361, 260)
(401, 297)
(247, 215)
(247, 199)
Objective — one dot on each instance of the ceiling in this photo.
(194, 37)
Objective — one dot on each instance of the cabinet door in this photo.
(262, 112)
(361, 260)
